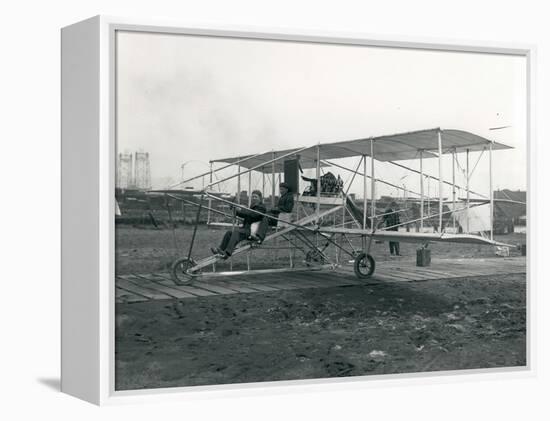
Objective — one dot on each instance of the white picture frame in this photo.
(88, 206)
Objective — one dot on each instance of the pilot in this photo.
(233, 237)
(282, 211)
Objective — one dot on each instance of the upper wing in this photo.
(395, 147)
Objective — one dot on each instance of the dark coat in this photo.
(250, 217)
(285, 203)
(391, 219)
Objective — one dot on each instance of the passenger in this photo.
(283, 211)
(233, 237)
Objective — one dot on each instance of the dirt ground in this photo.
(317, 333)
(401, 327)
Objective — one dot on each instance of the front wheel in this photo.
(180, 271)
(363, 266)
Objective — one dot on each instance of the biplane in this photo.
(333, 218)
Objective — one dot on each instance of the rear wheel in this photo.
(180, 271)
(363, 266)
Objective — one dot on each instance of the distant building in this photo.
(133, 171)
(125, 171)
(142, 171)
(510, 210)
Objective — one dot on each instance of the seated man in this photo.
(233, 237)
(282, 210)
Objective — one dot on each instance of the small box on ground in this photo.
(423, 257)
(502, 251)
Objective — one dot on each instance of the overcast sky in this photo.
(188, 99)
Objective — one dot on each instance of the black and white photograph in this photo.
(291, 210)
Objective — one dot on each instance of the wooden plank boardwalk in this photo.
(158, 286)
